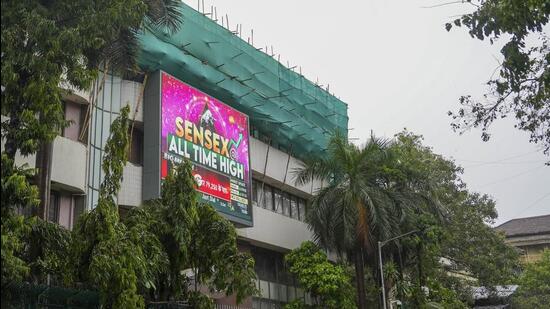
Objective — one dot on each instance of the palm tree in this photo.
(366, 196)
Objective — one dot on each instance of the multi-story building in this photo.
(286, 117)
(531, 235)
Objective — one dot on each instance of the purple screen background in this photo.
(180, 99)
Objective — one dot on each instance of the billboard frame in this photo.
(152, 145)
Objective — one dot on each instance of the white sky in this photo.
(396, 66)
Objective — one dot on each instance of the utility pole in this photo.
(380, 245)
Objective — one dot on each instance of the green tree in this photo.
(522, 87)
(51, 46)
(329, 284)
(345, 212)
(172, 217)
(215, 259)
(194, 237)
(463, 238)
(368, 194)
(106, 256)
(534, 285)
(31, 248)
(473, 246)
(17, 192)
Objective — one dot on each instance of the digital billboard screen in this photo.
(214, 137)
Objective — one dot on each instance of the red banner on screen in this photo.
(212, 183)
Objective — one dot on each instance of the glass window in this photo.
(95, 198)
(96, 166)
(278, 200)
(286, 204)
(79, 207)
(98, 118)
(53, 209)
(302, 208)
(135, 150)
(268, 197)
(294, 207)
(255, 192)
(106, 126)
(83, 129)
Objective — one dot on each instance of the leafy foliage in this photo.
(48, 44)
(534, 285)
(463, 239)
(403, 186)
(31, 248)
(106, 256)
(17, 192)
(371, 191)
(214, 256)
(194, 237)
(47, 246)
(522, 88)
(329, 283)
(146, 255)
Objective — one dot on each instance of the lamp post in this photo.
(380, 245)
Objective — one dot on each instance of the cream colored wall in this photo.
(275, 231)
(69, 164)
(130, 189)
(533, 253)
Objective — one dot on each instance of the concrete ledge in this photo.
(69, 164)
(275, 231)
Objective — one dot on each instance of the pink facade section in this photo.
(72, 113)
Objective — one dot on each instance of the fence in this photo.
(30, 296)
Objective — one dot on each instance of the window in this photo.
(255, 192)
(265, 263)
(294, 208)
(53, 209)
(278, 201)
(135, 155)
(286, 204)
(268, 197)
(302, 208)
(76, 114)
(79, 207)
(24, 211)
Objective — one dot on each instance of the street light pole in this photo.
(380, 245)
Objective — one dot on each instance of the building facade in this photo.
(531, 235)
(290, 119)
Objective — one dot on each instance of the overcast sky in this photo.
(395, 66)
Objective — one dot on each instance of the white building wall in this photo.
(130, 94)
(276, 171)
(268, 164)
(130, 189)
(274, 230)
(69, 164)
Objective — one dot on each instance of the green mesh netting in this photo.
(282, 104)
